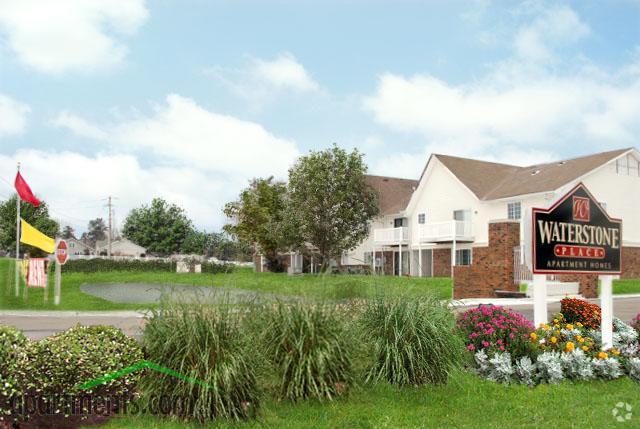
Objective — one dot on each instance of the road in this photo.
(37, 325)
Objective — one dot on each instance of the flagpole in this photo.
(18, 241)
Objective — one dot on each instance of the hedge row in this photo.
(137, 265)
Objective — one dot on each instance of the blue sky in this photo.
(190, 99)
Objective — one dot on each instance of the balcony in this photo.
(386, 236)
(444, 232)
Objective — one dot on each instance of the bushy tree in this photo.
(68, 232)
(38, 217)
(97, 230)
(160, 227)
(330, 204)
(257, 218)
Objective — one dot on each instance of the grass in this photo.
(465, 402)
(312, 286)
(626, 286)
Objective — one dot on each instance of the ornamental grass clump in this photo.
(580, 311)
(208, 347)
(309, 346)
(496, 330)
(414, 341)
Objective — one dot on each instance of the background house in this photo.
(121, 247)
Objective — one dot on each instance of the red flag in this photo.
(25, 191)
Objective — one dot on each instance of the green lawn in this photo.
(313, 286)
(466, 402)
(626, 286)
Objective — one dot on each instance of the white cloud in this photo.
(78, 126)
(200, 159)
(262, 80)
(73, 186)
(522, 103)
(13, 116)
(556, 26)
(70, 35)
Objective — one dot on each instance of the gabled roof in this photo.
(393, 193)
(491, 181)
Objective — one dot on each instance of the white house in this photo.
(121, 247)
(448, 214)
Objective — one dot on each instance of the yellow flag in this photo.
(31, 236)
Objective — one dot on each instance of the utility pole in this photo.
(110, 229)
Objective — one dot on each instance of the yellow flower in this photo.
(570, 326)
(602, 355)
(554, 340)
(534, 336)
(546, 327)
(615, 352)
(580, 339)
(585, 348)
(579, 325)
(555, 321)
(570, 346)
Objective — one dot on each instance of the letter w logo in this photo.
(581, 209)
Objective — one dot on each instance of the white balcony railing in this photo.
(391, 235)
(446, 231)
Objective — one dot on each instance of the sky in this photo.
(189, 99)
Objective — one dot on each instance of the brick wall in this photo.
(492, 267)
(441, 262)
(630, 263)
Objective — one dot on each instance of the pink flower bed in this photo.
(495, 329)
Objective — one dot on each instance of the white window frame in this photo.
(511, 210)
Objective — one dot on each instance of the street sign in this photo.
(576, 236)
(62, 253)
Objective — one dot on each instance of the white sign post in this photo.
(606, 305)
(540, 299)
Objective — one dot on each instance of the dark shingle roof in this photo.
(393, 193)
(490, 180)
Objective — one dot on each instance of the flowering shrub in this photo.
(495, 329)
(578, 310)
(562, 336)
(12, 343)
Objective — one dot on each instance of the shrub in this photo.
(65, 361)
(562, 336)
(59, 365)
(12, 343)
(414, 340)
(209, 345)
(309, 345)
(577, 310)
(137, 265)
(496, 330)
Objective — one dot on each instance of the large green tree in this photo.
(160, 227)
(330, 203)
(38, 217)
(257, 218)
(68, 232)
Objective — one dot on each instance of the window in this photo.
(514, 210)
(421, 218)
(399, 221)
(463, 256)
(368, 258)
(462, 215)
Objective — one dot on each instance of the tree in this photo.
(38, 217)
(257, 218)
(330, 202)
(96, 230)
(196, 243)
(68, 232)
(160, 227)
